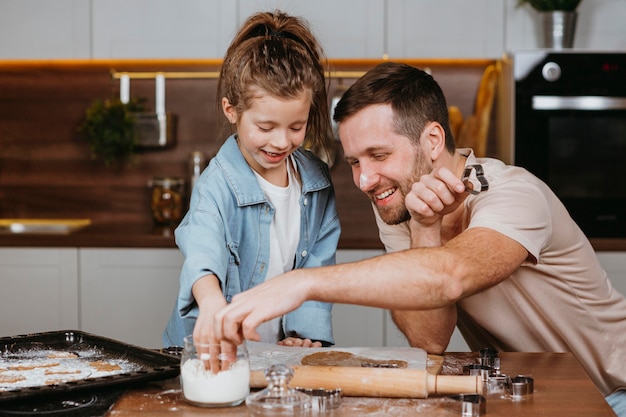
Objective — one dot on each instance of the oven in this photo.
(570, 131)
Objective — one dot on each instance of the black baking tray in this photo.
(149, 365)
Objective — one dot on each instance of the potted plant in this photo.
(109, 127)
(558, 19)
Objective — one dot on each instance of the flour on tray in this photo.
(41, 367)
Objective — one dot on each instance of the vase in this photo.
(559, 28)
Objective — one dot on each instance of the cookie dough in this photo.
(338, 358)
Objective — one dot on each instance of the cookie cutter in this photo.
(488, 367)
(477, 169)
(498, 384)
(471, 405)
(521, 386)
(489, 357)
(477, 369)
(323, 400)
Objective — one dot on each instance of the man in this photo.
(501, 258)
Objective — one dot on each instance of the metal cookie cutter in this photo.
(323, 400)
(521, 385)
(472, 405)
(489, 357)
(476, 369)
(480, 177)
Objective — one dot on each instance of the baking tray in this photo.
(139, 364)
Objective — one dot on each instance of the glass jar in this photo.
(211, 376)
(167, 200)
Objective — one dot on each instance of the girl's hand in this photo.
(210, 300)
(297, 342)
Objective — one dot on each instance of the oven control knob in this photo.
(551, 71)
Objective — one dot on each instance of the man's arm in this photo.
(429, 330)
(414, 279)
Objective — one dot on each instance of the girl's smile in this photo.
(270, 130)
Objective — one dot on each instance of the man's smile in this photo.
(385, 194)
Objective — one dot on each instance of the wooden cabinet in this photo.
(38, 290)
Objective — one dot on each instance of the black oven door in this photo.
(577, 145)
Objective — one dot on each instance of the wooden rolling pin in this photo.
(376, 382)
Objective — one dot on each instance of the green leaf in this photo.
(109, 127)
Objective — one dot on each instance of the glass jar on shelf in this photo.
(166, 202)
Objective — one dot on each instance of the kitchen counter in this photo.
(561, 387)
(147, 235)
(102, 235)
(140, 235)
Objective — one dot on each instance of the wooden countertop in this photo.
(561, 387)
(116, 235)
(137, 235)
(358, 232)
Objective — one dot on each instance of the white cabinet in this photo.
(372, 327)
(128, 294)
(38, 290)
(614, 263)
(205, 28)
(356, 325)
(162, 28)
(346, 28)
(119, 29)
(445, 28)
(58, 29)
(125, 294)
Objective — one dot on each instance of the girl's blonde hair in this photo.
(279, 54)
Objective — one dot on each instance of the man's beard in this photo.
(399, 214)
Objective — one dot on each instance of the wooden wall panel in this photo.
(46, 169)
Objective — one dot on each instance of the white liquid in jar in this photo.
(202, 387)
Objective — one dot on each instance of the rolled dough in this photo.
(338, 358)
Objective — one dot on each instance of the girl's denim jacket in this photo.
(226, 232)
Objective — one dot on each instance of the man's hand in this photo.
(435, 195)
(238, 321)
(430, 199)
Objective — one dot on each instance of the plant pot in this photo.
(559, 28)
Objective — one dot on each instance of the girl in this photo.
(265, 204)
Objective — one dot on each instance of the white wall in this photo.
(62, 29)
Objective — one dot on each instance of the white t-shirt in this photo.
(563, 302)
(284, 237)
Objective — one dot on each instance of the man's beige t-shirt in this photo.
(563, 302)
